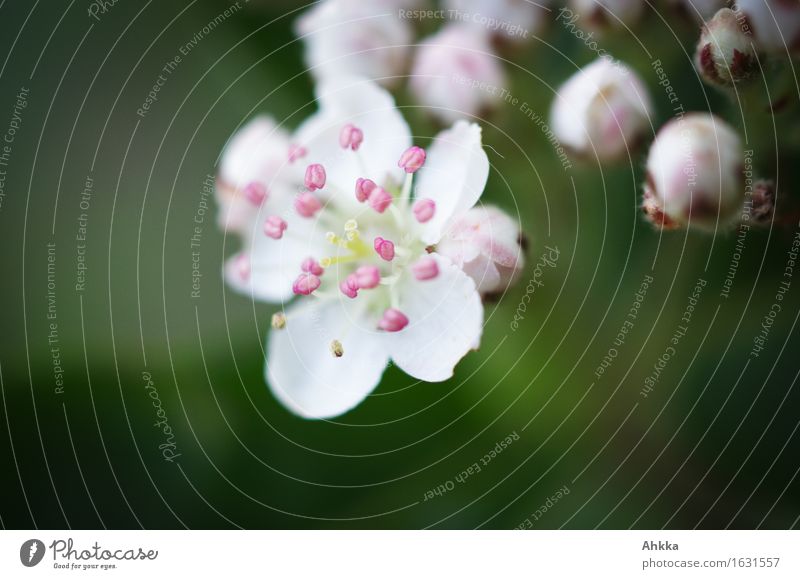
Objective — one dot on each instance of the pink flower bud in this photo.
(306, 284)
(311, 265)
(695, 173)
(384, 248)
(775, 24)
(425, 268)
(602, 111)
(725, 54)
(315, 177)
(351, 137)
(256, 193)
(424, 209)
(368, 277)
(363, 188)
(412, 160)
(274, 227)
(380, 199)
(349, 286)
(393, 320)
(307, 205)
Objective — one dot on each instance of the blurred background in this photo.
(98, 209)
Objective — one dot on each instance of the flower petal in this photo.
(303, 373)
(446, 317)
(386, 134)
(454, 176)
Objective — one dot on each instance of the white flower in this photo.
(603, 110)
(775, 24)
(725, 53)
(359, 249)
(695, 174)
(607, 15)
(511, 20)
(456, 74)
(486, 244)
(356, 38)
(700, 10)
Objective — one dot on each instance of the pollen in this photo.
(337, 349)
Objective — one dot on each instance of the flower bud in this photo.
(775, 24)
(486, 244)
(355, 38)
(456, 74)
(506, 20)
(607, 15)
(725, 53)
(695, 174)
(602, 111)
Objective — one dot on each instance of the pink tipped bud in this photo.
(307, 205)
(412, 160)
(380, 199)
(384, 248)
(424, 209)
(311, 265)
(306, 284)
(425, 268)
(243, 266)
(363, 189)
(274, 227)
(296, 152)
(393, 320)
(368, 277)
(256, 193)
(349, 286)
(725, 53)
(315, 177)
(351, 137)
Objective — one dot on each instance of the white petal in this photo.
(303, 373)
(373, 110)
(255, 153)
(454, 176)
(446, 322)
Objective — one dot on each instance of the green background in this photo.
(714, 445)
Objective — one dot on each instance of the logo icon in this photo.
(32, 552)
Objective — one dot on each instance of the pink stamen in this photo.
(424, 210)
(256, 193)
(307, 205)
(311, 265)
(384, 248)
(425, 268)
(363, 188)
(296, 152)
(243, 266)
(393, 320)
(351, 137)
(306, 284)
(315, 177)
(412, 160)
(368, 277)
(380, 199)
(350, 286)
(274, 227)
